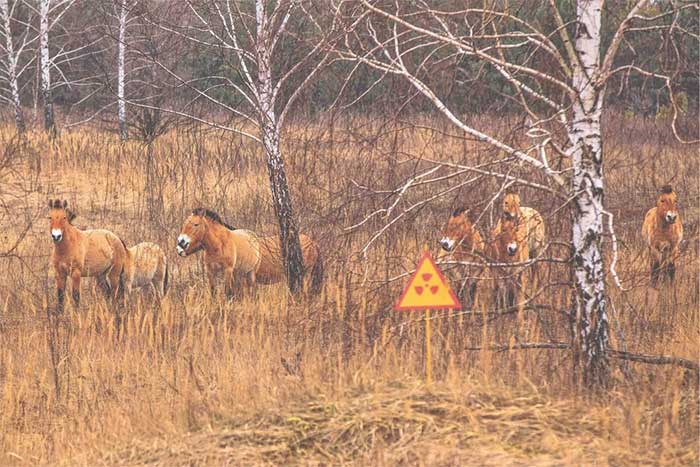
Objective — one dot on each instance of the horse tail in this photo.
(122, 282)
(126, 269)
(165, 278)
(317, 273)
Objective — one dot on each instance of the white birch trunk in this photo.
(12, 66)
(121, 103)
(281, 198)
(45, 65)
(591, 326)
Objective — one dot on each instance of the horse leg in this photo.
(104, 286)
(471, 293)
(75, 286)
(60, 290)
(655, 270)
(228, 282)
(250, 280)
(115, 291)
(211, 277)
(114, 277)
(159, 282)
(522, 295)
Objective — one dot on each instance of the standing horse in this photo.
(463, 242)
(85, 253)
(148, 266)
(528, 221)
(663, 232)
(509, 245)
(241, 254)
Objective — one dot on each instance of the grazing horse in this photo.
(148, 266)
(241, 254)
(509, 245)
(463, 242)
(663, 232)
(85, 253)
(528, 221)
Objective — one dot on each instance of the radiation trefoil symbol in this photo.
(428, 289)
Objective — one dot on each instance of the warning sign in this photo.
(427, 289)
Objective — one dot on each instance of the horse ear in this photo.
(460, 210)
(65, 204)
(50, 203)
(666, 189)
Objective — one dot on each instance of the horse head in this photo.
(458, 231)
(666, 205)
(511, 206)
(192, 234)
(60, 217)
(506, 243)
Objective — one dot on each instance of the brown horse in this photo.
(663, 232)
(85, 253)
(509, 245)
(148, 267)
(241, 254)
(463, 243)
(528, 221)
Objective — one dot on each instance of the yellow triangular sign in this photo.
(427, 289)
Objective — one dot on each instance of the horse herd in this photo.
(239, 255)
(245, 258)
(519, 237)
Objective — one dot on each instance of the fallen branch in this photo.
(650, 359)
(524, 346)
(655, 359)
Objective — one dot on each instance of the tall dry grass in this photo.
(336, 379)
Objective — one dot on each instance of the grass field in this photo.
(337, 379)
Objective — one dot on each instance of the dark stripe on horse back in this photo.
(209, 214)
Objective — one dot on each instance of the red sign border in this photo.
(456, 306)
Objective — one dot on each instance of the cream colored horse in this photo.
(85, 253)
(148, 267)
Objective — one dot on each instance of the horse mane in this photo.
(58, 204)
(213, 216)
(666, 189)
(459, 211)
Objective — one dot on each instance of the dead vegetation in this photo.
(335, 380)
(403, 424)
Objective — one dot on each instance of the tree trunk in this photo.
(587, 182)
(45, 64)
(121, 104)
(12, 66)
(281, 198)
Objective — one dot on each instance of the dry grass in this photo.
(269, 380)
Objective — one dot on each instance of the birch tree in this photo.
(13, 48)
(50, 14)
(124, 8)
(256, 41)
(121, 64)
(557, 75)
